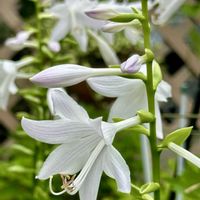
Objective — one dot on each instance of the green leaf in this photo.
(149, 187)
(157, 74)
(177, 137)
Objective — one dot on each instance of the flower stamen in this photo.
(51, 188)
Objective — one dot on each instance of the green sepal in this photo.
(139, 129)
(138, 75)
(145, 116)
(46, 16)
(114, 66)
(138, 195)
(135, 10)
(127, 17)
(149, 55)
(117, 119)
(157, 74)
(177, 137)
(149, 187)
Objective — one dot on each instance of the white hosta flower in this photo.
(8, 74)
(108, 55)
(111, 9)
(165, 9)
(131, 96)
(69, 74)
(72, 19)
(86, 148)
(19, 41)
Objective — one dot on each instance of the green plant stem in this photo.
(151, 101)
(39, 33)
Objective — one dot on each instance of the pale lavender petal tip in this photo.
(54, 46)
(132, 65)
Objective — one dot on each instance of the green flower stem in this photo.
(39, 33)
(151, 101)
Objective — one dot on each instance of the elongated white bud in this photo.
(102, 13)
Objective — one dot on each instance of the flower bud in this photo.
(132, 65)
(17, 42)
(113, 27)
(102, 13)
(54, 46)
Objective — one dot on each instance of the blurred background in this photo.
(177, 47)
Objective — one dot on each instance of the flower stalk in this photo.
(151, 101)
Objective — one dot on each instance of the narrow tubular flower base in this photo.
(184, 153)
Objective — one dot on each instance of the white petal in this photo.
(60, 30)
(62, 75)
(59, 9)
(126, 106)
(163, 91)
(89, 188)
(133, 35)
(159, 128)
(68, 158)
(57, 131)
(4, 97)
(165, 10)
(108, 132)
(109, 37)
(79, 33)
(113, 86)
(66, 107)
(115, 166)
(13, 88)
(107, 53)
(54, 46)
